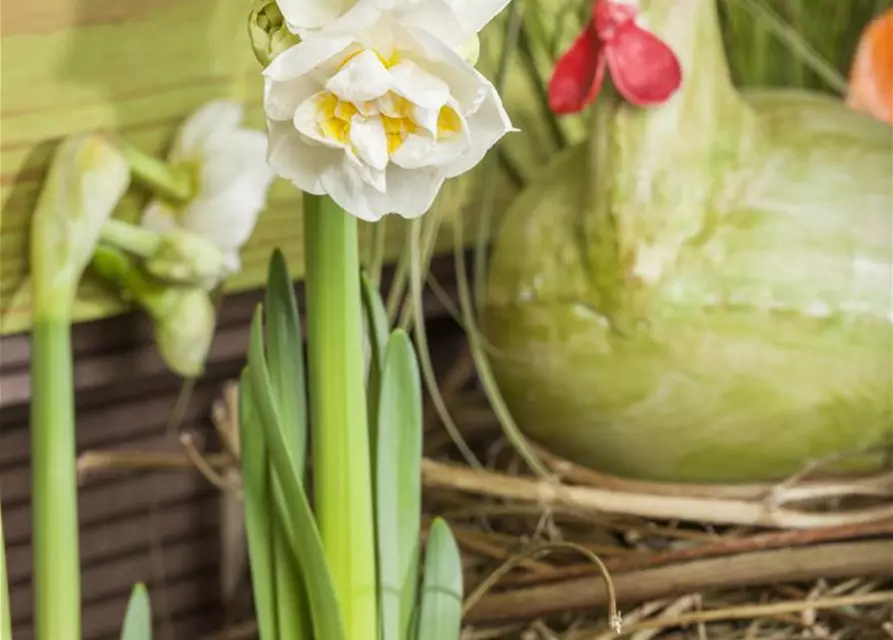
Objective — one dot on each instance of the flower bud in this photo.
(267, 31)
(184, 321)
(175, 256)
(187, 258)
(183, 317)
(86, 180)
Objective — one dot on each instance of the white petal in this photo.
(296, 162)
(476, 14)
(418, 86)
(362, 15)
(363, 78)
(206, 129)
(375, 178)
(413, 192)
(311, 14)
(281, 99)
(422, 151)
(466, 85)
(234, 185)
(352, 193)
(369, 140)
(226, 220)
(310, 116)
(427, 151)
(305, 56)
(437, 18)
(387, 105)
(470, 49)
(158, 216)
(485, 127)
(244, 154)
(232, 263)
(426, 119)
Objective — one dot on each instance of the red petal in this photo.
(643, 67)
(610, 16)
(578, 75)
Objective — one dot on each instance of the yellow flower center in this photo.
(394, 111)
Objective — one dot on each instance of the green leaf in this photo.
(259, 521)
(398, 485)
(138, 617)
(285, 355)
(441, 606)
(377, 331)
(294, 511)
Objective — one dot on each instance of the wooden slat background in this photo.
(124, 398)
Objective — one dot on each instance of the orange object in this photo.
(871, 78)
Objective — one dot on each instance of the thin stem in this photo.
(482, 361)
(376, 257)
(796, 44)
(398, 287)
(421, 336)
(660, 507)
(746, 612)
(127, 237)
(341, 455)
(430, 228)
(57, 580)
(489, 178)
(5, 620)
(172, 183)
(536, 551)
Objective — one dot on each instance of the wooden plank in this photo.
(191, 597)
(131, 534)
(110, 579)
(106, 501)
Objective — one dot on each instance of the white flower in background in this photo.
(377, 107)
(231, 176)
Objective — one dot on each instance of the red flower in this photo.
(643, 67)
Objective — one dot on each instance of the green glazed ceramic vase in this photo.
(703, 291)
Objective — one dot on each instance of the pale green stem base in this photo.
(136, 240)
(57, 582)
(175, 184)
(5, 620)
(338, 418)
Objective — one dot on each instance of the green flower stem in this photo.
(57, 581)
(5, 621)
(338, 418)
(172, 183)
(86, 180)
(136, 240)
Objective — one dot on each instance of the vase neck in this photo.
(657, 171)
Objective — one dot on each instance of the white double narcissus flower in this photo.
(376, 107)
(231, 178)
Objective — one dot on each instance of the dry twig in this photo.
(709, 510)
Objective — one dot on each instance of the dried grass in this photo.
(805, 558)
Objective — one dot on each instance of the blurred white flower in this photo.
(231, 176)
(379, 117)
